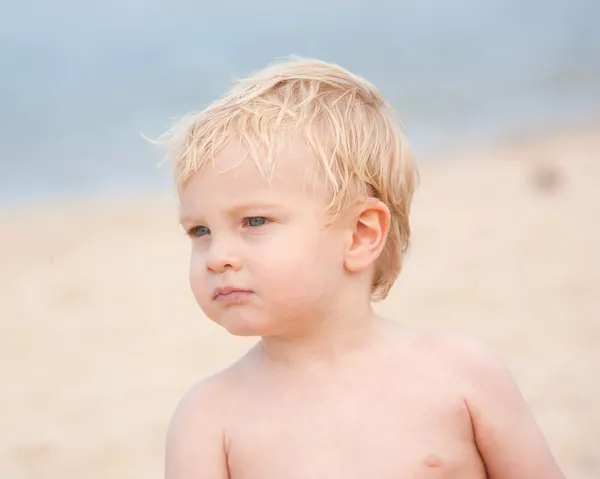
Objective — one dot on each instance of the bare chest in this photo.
(374, 432)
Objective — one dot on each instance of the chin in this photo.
(239, 323)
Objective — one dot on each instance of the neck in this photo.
(324, 340)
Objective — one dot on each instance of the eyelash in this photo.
(192, 231)
(247, 220)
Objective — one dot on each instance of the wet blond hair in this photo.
(349, 127)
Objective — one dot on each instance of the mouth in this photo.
(230, 294)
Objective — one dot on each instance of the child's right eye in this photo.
(198, 231)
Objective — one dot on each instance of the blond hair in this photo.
(344, 120)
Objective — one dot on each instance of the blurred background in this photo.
(82, 80)
(99, 336)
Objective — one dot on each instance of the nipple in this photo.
(432, 461)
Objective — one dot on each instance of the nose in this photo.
(221, 256)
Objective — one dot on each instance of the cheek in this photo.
(307, 267)
(197, 277)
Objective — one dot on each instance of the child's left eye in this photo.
(255, 221)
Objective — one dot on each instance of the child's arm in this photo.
(507, 436)
(195, 442)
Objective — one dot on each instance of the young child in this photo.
(295, 190)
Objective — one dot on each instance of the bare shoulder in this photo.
(472, 359)
(195, 438)
(209, 400)
(196, 443)
(457, 361)
(506, 433)
(477, 368)
(198, 403)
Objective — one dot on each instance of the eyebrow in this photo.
(232, 211)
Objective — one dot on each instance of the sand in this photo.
(100, 335)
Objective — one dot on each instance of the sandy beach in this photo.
(100, 335)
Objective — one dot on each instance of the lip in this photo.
(231, 294)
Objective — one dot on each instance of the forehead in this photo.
(236, 175)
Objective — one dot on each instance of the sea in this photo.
(83, 83)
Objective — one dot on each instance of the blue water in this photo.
(79, 84)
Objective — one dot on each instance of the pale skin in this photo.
(331, 390)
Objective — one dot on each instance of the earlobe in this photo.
(370, 228)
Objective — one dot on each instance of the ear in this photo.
(370, 227)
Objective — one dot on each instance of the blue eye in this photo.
(199, 231)
(255, 221)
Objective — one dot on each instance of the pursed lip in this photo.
(230, 294)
